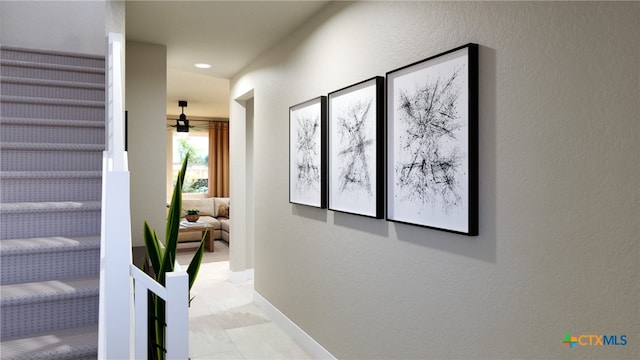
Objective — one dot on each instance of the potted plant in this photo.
(162, 258)
(192, 215)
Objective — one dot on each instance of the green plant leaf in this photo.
(153, 248)
(162, 257)
(194, 265)
(173, 225)
(176, 201)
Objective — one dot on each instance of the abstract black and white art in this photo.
(432, 133)
(307, 162)
(356, 148)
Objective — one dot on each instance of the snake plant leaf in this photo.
(194, 265)
(163, 257)
(173, 219)
(153, 249)
(173, 225)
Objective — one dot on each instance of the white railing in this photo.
(176, 298)
(116, 266)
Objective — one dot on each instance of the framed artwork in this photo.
(432, 142)
(307, 147)
(356, 149)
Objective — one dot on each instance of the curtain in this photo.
(218, 159)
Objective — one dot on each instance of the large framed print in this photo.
(356, 149)
(432, 142)
(307, 147)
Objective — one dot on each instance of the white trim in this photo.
(297, 334)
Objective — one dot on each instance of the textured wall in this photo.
(146, 92)
(75, 26)
(559, 219)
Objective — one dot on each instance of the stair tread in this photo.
(48, 244)
(41, 65)
(80, 341)
(22, 175)
(50, 206)
(49, 82)
(51, 122)
(52, 290)
(51, 52)
(50, 146)
(51, 101)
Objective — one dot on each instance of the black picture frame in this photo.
(307, 153)
(432, 142)
(356, 149)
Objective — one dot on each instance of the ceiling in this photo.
(226, 34)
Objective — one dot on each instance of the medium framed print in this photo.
(307, 147)
(356, 149)
(432, 142)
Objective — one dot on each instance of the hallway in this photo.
(224, 322)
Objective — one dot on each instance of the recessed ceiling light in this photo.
(202, 66)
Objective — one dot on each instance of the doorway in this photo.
(241, 129)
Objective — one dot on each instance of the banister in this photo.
(115, 134)
(176, 297)
(147, 281)
(115, 234)
(117, 272)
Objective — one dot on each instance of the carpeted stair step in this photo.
(52, 115)
(44, 219)
(49, 186)
(52, 57)
(76, 343)
(36, 307)
(54, 108)
(48, 258)
(25, 69)
(50, 157)
(43, 88)
(51, 131)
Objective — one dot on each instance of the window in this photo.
(196, 144)
(207, 142)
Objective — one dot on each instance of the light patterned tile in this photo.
(265, 341)
(225, 323)
(239, 316)
(230, 355)
(206, 337)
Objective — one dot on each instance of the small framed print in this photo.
(307, 147)
(356, 149)
(432, 142)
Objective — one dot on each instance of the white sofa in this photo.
(214, 211)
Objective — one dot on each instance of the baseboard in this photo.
(240, 276)
(294, 331)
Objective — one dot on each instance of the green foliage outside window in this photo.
(198, 179)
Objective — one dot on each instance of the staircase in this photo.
(52, 111)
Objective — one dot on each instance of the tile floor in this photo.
(225, 323)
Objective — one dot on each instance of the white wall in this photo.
(251, 184)
(241, 149)
(115, 17)
(73, 26)
(559, 220)
(146, 89)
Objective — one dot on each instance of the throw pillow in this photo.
(223, 211)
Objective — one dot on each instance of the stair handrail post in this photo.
(177, 315)
(116, 286)
(115, 141)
